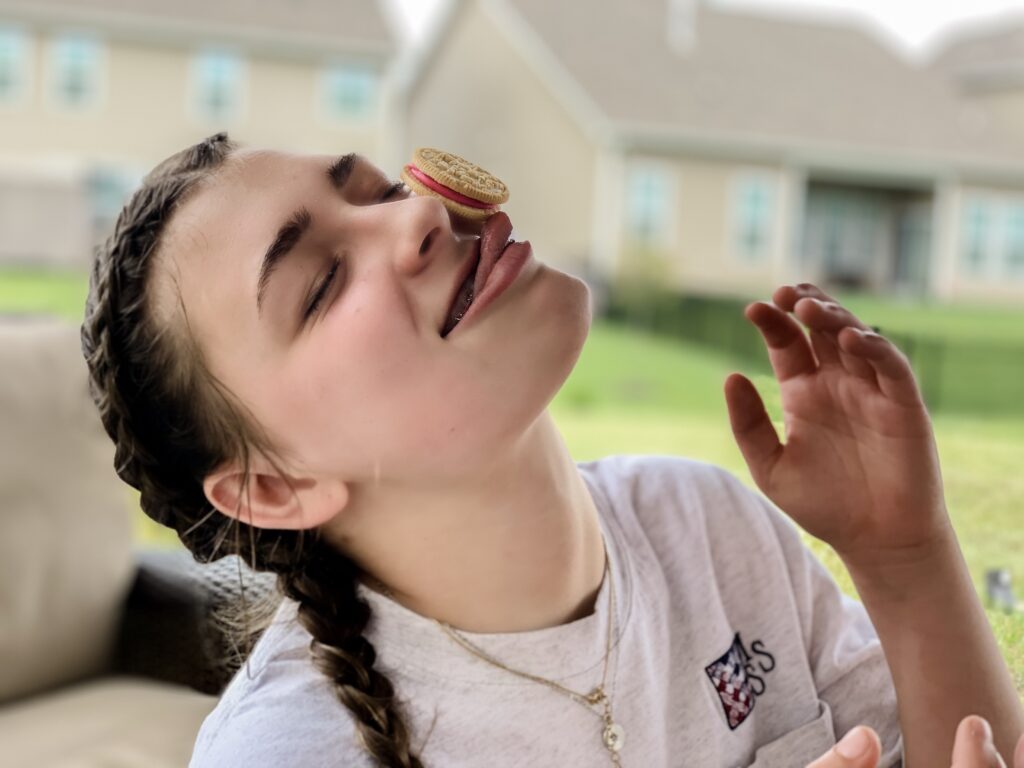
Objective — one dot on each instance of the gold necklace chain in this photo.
(612, 735)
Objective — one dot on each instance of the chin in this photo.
(574, 311)
(566, 307)
(543, 336)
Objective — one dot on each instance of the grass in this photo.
(635, 393)
(961, 321)
(59, 293)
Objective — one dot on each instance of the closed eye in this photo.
(395, 189)
(321, 291)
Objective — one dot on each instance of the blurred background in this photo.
(683, 156)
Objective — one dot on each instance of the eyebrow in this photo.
(290, 233)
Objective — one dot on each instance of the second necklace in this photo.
(612, 735)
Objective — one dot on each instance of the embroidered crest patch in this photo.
(734, 677)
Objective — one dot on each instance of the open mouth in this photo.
(494, 239)
(463, 299)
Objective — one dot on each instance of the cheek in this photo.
(365, 384)
(402, 402)
(361, 354)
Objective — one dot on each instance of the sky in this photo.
(916, 24)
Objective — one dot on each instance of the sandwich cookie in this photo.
(464, 188)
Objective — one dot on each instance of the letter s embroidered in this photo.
(758, 647)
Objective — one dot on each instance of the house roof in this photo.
(990, 53)
(767, 79)
(335, 24)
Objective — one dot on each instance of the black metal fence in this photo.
(955, 376)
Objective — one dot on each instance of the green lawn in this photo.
(966, 322)
(633, 393)
(61, 293)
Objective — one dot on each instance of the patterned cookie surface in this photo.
(459, 174)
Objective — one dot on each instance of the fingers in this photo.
(788, 349)
(754, 432)
(892, 370)
(1018, 753)
(791, 352)
(837, 337)
(860, 748)
(973, 747)
(826, 318)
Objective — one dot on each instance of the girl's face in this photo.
(364, 388)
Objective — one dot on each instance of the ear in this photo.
(267, 501)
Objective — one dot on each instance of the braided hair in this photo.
(173, 422)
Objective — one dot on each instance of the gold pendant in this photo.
(614, 736)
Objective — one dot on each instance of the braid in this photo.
(342, 653)
(172, 423)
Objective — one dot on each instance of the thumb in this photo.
(754, 432)
(860, 748)
(973, 747)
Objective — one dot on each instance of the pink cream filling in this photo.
(441, 189)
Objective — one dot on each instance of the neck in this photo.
(516, 548)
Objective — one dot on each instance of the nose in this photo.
(425, 227)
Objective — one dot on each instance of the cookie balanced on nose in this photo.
(464, 188)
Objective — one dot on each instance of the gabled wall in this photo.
(480, 97)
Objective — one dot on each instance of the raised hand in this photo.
(859, 467)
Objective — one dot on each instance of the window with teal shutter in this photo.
(13, 64)
(977, 239)
(218, 84)
(76, 71)
(350, 91)
(754, 216)
(648, 204)
(1014, 241)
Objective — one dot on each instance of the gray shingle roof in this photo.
(759, 76)
(359, 24)
(992, 48)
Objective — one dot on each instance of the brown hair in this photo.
(173, 422)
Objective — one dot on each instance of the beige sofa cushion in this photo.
(65, 518)
(122, 722)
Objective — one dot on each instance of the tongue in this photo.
(493, 238)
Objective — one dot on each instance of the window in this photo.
(76, 62)
(349, 92)
(108, 189)
(977, 241)
(14, 63)
(753, 217)
(218, 80)
(1014, 240)
(648, 208)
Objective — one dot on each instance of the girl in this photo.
(267, 338)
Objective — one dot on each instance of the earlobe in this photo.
(267, 500)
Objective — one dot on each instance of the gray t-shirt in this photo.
(732, 646)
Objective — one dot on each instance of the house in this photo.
(718, 151)
(93, 93)
(985, 65)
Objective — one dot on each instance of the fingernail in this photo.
(854, 744)
(980, 729)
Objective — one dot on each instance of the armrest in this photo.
(167, 632)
